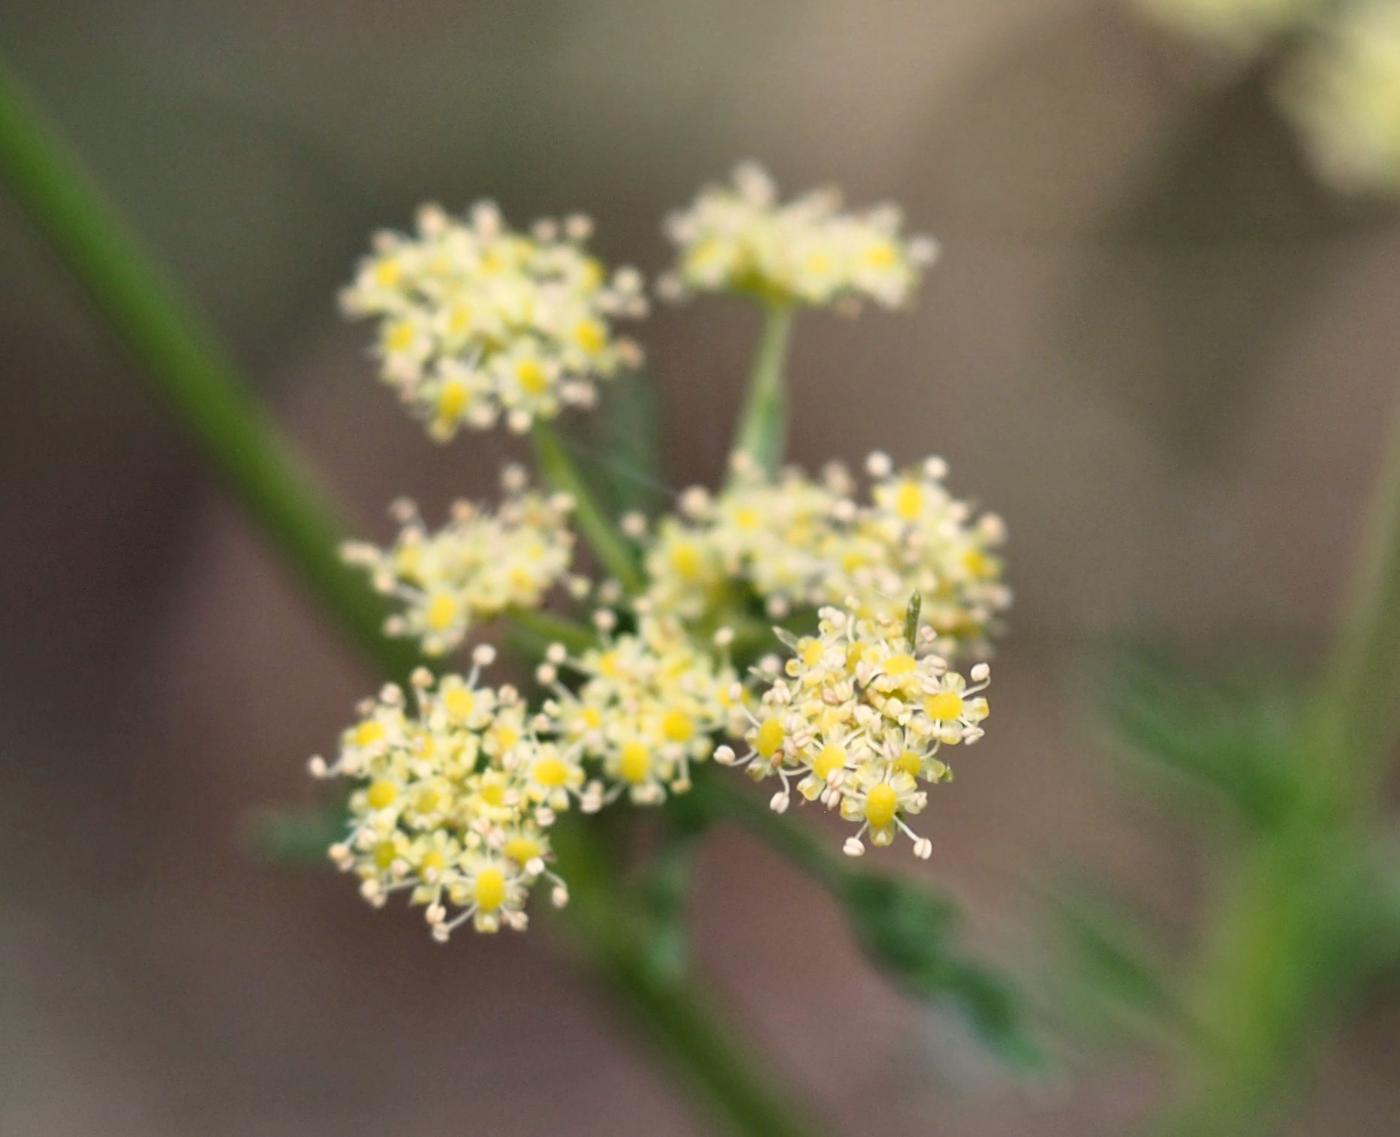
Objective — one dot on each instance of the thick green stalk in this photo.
(183, 360)
(189, 368)
(560, 472)
(763, 422)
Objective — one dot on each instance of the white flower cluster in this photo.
(477, 566)
(858, 720)
(739, 238)
(646, 709)
(477, 321)
(795, 542)
(453, 794)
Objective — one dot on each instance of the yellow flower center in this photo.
(590, 335)
(459, 703)
(432, 864)
(369, 732)
(881, 255)
(441, 613)
(384, 854)
(452, 400)
(388, 273)
(909, 763)
(685, 559)
(880, 805)
(550, 772)
(677, 726)
(898, 666)
(769, 737)
(828, 760)
(490, 889)
(634, 763)
(522, 850)
(531, 376)
(946, 706)
(909, 501)
(382, 794)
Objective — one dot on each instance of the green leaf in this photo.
(906, 930)
(1238, 739)
(1113, 980)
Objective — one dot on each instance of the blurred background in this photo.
(1156, 342)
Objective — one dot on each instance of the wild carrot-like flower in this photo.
(455, 785)
(480, 564)
(796, 543)
(477, 321)
(858, 719)
(444, 803)
(740, 238)
(648, 706)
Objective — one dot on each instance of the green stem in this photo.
(189, 368)
(546, 628)
(763, 422)
(699, 1046)
(804, 845)
(1361, 690)
(560, 472)
(183, 360)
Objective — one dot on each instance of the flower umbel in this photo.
(477, 566)
(441, 806)
(648, 706)
(739, 238)
(857, 720)
(798, 543)
(477, 321)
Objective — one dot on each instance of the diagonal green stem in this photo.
(560, 472)
(187, 366)
(763, 423)
(1362, 685)
(183, 360)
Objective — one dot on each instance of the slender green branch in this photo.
(560, 472)
(722, 799)
(547, 628)
(183, 360)
(700, 1047)
(1362, 686)
(189, 368)
(763, 422)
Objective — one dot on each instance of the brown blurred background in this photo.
(1152, 344)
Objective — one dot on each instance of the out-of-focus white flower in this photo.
(1343, 92)
(739, 238)
(796, 542)
(477, 321)
(480, 564)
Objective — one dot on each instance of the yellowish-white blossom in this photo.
(446, 804)
(738, 237)
(480, 564)
(858, 718)
(478, 321)
(799, 543)
(647, 707)
(1343, 92)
